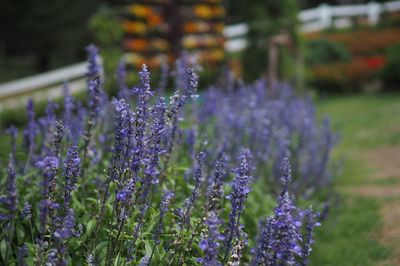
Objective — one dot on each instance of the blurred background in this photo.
(329, 46)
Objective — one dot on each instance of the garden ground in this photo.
(364, 227)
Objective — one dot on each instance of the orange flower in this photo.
(154, 19)
(219, 11)
(138, 45)
(138, 10)
(134, 27)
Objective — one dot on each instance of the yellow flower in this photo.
(203, 11)
(138, 10)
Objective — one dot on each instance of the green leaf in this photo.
(101, 246)
(3, 249)
(20, 233)
(90, 226)
(116, 261)
(148, 248)
(92, 200)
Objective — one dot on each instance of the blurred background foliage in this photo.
(50, 34)
(266, 19)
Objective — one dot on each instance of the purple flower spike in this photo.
(191, 200)
(11, 200)
(279, 242)
(68, 224)
(121, 75)
(310, 223)
(165, 201)
(240, 190)
(27, 211)
(193, 82)
(211, 244)
(72, 170)
(95, 69)
(30, 131)
(13, 131)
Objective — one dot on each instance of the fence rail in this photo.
(42, 81)
(315, 19)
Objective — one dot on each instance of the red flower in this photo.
(375, 62)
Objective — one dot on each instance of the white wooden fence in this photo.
(326, 16)
(315, 19)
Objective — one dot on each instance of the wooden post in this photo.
(273, 57)
(272, 63)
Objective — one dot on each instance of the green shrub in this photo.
(323, 51)
(391, 71)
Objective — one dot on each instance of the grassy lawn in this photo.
(350, 235)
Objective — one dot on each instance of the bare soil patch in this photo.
(377, 191)
(385, 162)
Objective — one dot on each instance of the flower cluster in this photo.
(145, 180)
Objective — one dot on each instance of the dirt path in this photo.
(384, 184)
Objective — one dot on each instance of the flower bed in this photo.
(145, 180)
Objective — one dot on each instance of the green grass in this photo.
(365, 122)
(347, 237)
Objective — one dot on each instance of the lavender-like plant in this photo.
(240, 190)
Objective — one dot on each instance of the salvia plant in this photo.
(220, 178)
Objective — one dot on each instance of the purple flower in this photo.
(144, 95)
(279, 242)
(193, 82)
(310, 223)
(264, 252)
(212, 242)
(67, 229)
(13, 131)
(69, 107)
(180, 73)
(72, 169)
(11, 200)
(57, 138)
(49, 167)
(125, 194)
(27, 211)
(162, 85)
(31, 129)
(52, 259)
(144, 261)
(240, 190)
(95, 69)
(287, 225)
(191, 200)
(238, 247)
(215, 191)
(165, 201)
(154, 148)
(94, 95)
(121, 75)
(122, 137)
(46, 209)
(22, 253)
(47, 123)
(191, 135)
